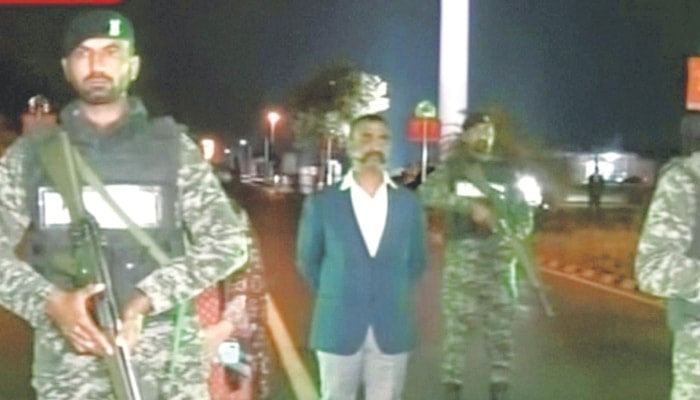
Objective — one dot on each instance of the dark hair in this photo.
(475, 118)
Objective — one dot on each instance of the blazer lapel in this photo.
(388, 231)
(348, 220)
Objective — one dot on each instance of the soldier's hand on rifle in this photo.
(132, 319)
(70, 312)
(482, 215)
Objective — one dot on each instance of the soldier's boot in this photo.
(499, 390)
(453, 391)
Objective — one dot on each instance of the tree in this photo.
(323, 107)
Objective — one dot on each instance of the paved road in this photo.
(599, 347)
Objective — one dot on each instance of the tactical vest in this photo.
(144, 158)
(459, 224)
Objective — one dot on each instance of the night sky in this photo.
(596, 75)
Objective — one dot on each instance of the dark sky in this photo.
(591, 75)
(579, 75)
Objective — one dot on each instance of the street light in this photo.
(246, 157)
(272, 118)
(208, 148)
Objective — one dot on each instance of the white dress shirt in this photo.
(370, 211)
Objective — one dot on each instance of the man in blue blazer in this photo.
(361, 247)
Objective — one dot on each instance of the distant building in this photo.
(616, 167)
(629, 178)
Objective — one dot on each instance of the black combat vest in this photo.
(140, 153)
(458, 223)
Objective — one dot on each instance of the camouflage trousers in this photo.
(474, 292)
(686, 363)
(61, 374)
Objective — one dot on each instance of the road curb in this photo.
(614, 283)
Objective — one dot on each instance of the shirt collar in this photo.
(349, 180)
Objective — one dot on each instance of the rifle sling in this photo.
(60, 169)
(63, 168)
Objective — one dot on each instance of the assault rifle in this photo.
(87, 244)
(507, 232)
(88, 253)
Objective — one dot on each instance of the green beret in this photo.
(98, 23)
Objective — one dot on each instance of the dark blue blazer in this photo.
(352, 289)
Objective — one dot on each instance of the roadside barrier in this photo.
(607, 281)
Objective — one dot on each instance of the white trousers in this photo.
(382, 375)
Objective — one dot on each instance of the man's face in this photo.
(101, 69)
(369, 144)
(480, 138)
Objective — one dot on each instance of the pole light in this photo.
(244, 157)
(272, 117)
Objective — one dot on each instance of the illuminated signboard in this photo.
(692, 98)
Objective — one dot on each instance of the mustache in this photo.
(97, 75)
(370, 154)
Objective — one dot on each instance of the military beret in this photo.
(100, 23)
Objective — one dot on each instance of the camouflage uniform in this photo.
(668, 265)
(478, 272)
(218, 245)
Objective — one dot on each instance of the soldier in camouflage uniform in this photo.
(479, 268)
(668, 262)
(187, 213)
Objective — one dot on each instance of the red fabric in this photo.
(209, 307)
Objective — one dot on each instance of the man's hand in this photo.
(69, 311)
(483, 216)
(132, 319)
(214, 335)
